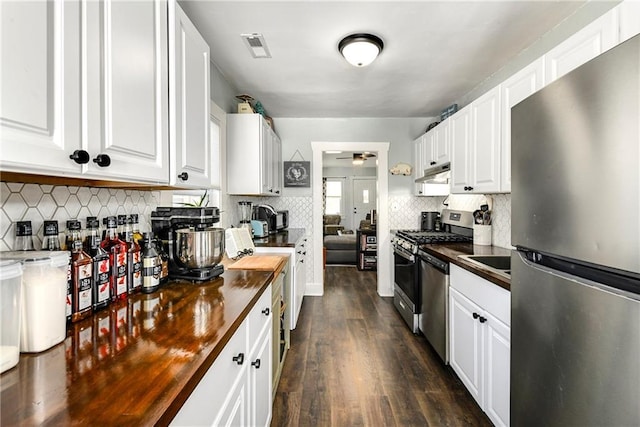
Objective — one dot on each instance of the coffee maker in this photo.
(194, 246)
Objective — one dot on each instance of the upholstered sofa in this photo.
(340, 249)
(331, 224)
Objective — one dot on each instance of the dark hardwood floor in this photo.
(353, 362)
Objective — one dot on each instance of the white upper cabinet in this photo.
(629, 15)
(475, 136)
(127, 99)
(515, 89)
(254, 165)
(586, 44)
(421, 145)
(189, 103)
(40, 109)
(460, 129)
(84, 89)
(441, 144)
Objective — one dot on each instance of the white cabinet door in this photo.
(461, 150)
(300, 280)
(485, 112)
(441, 143)
(497, 370)
(418, 169)
(466, 339)
(127, 81)
(260, 384)
(586, 44)
(189, 102)
(515, 89)
(254, 156)
(629, 14)
(429, 141)
(40, 108)
(237, 408)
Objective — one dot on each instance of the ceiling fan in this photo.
(359, 157)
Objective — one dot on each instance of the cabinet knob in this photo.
(102, 160)
(239, 359)
(266, 311)
(432, 163)
(183, 176)
(256, 363)
(81, 157)
(475, 315)
(419, 192)
(277, 191)
(482, 319)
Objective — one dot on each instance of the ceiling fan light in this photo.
(360, 50)
(358, 161)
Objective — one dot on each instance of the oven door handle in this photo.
(404, 254)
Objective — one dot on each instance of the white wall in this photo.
(297, 134)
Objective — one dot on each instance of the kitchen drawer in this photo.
(259, 317)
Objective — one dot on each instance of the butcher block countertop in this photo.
(450, 252)
(281, 239)
(135, 362)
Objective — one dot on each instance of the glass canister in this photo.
(10, 291)
(44, 293)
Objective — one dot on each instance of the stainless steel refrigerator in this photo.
(575, 287)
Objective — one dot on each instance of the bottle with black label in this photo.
(134, 262)
(101, 267)
(81, 274)
(51, 240)
(24, 236)
(117, 250)
(152, 265)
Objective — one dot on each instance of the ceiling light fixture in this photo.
(358, 161)
(360, 49)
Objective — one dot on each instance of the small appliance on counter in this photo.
(260, 228)
(245, 215)
(194, 245)
(276, 220)
(429, 221)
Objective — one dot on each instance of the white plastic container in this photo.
(44, 293)
(10, 291)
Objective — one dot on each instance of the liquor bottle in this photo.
(117, 250)
(164, 261)
(24, 236)
(134, 261)
(81, 274)
(137, 235)
(122, 220)
(51, 240)
(101, 267)
(152, 265)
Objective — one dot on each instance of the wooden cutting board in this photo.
(257, 262)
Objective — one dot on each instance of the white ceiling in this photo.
(435, 51)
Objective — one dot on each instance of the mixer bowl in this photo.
(199, 248)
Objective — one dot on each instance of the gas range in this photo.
(458, 228)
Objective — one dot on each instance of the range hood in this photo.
(439, 174)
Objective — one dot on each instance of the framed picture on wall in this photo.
(297, 174)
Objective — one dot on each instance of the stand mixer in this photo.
(246, 210)
(194, 246)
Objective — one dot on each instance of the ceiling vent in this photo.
(256, 45)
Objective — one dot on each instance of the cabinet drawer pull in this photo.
(256, 363)
(102, 160)
(475, 315)
(81, 157)
(266, 311)
(239, 359)
(432, 163)
(482, 319)
(183, 176)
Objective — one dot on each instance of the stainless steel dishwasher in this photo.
(434, 315)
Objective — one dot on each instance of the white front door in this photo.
(364, 198)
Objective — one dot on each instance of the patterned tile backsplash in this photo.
(42, 202)
(37, 203)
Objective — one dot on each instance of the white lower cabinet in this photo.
(479, 337)
(236, 390)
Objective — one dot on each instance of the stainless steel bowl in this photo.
(199, 248)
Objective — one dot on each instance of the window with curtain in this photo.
(333, 197)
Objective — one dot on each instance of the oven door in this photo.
(405, 269)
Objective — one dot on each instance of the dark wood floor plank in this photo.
(353, 362)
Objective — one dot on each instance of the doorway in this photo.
(381, 149)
